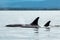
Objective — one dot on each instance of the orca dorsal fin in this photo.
(35, 22)
(47, 24)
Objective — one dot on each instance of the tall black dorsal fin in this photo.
(47, 24)
(35, 22)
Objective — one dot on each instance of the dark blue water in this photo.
(29, 3)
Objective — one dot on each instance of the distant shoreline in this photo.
(29, 9)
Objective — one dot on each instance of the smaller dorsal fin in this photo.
(35, 22)
(47, 24)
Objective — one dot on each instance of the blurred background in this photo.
(29, 4)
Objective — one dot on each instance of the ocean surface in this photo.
(26, 17)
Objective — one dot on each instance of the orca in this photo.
(47, 24)
(34, 24)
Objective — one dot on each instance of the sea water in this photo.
(18, 33)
